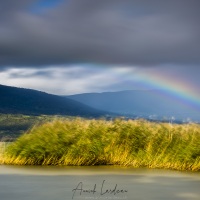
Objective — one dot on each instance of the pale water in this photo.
(96, 182)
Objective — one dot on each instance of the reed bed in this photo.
(136, 143)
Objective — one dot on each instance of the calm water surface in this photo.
(96, 182)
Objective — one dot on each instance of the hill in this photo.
(150, 104)
(32, 102)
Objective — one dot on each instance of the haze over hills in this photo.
(32, 102)
(150, 104)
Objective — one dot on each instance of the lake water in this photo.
(96, 182)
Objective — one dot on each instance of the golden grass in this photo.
(136, 143)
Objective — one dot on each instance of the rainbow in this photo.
(176, 89)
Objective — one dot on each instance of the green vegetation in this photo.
(136, 143)
(3, 146)
(14, 125)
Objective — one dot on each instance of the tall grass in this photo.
(3, 146)
(136, 143)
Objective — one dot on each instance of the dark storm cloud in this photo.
(135, 32)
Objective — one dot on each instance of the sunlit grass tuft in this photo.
(136, 143)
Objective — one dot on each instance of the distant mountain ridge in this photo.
(150, 104)
(131, 103)
(15, 100)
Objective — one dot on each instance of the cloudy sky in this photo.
(78, 46)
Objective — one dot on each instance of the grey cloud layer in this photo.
(142, 32)
(68, 80)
